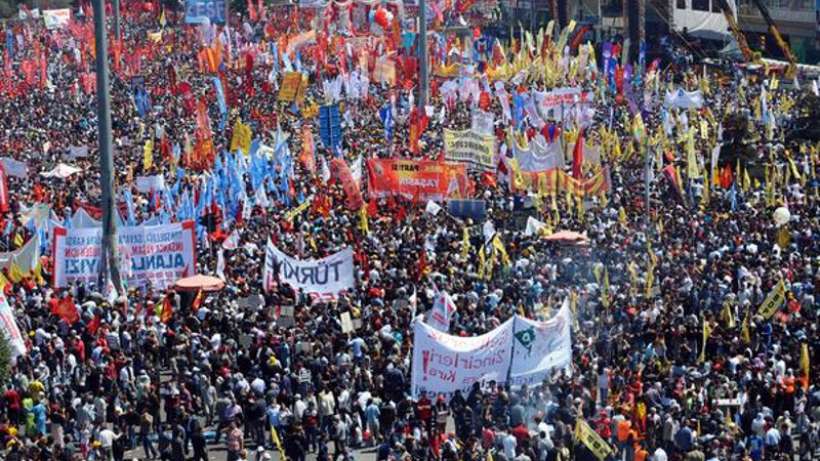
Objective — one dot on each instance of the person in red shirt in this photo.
(520, 433)
(13, 402)
(424, 411)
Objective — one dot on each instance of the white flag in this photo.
(443, 309)
(232, 242)
(220, 264)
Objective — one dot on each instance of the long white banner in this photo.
(159, 255)
(326, 277)
(540, 155)
(521, 350)
(443, 363)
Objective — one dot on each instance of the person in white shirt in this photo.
(509, 442)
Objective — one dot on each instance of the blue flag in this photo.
(220, 99)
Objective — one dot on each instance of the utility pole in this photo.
(424, 77)
(109, 262)
(115, 6)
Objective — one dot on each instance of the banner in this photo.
(159, 255)
(326, 277)
(483, 123)
(297, 42)
(330, 126)
(148, 184)
(773, 301)
(558, 182)
(598, 446)
(384, 71)
(421, 179)
(553, 103)
(353, 195)
(75, 152)
(473, 209)
(56, 19)
(14, 168)
(540, 155)
(205, 11)
(477, 151)
(541, 347)
(8, 327)
(684, 99)
(241, 138)
(443, 363)
(291, 82)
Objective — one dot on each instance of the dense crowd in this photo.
(672, 358)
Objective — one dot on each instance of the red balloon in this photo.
(476, 32)
(619, 99)
(148, 7)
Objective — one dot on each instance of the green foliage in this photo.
(5, 359)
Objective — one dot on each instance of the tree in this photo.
(5, 359)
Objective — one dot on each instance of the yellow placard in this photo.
(291, 82)
(241, 138)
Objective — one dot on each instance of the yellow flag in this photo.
(727, 315)
(465, 243)
(745, 333)
(499, 247)
(363, 224)
(586, 435)
(707, 194)
(773, 300)
(241, 139)
(605, 290)
(162, 21)
(278, 443)
(18, 240)
(148, 155)
(482, 262)
(805, 364)
(707, 331)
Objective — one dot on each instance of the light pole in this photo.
(424, 77)
(109, 262)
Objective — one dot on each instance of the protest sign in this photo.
(347, 322)
(443, 363)
(75, 152)
(421, 179)
(286, 318)
(204, 11)
(477, 151)
(385, 71)
(551, 104)
(8, 327)
(159, 255)
(540, 347)
(473, 209)
(326, 277)
(482, 123)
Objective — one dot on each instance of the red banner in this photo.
(419, 179)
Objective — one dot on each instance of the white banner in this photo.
(326, 277)
(684, 99)
(56, 19)
(9, 327)
(146, 184)
(540, 155)
(15, 168)
(467, 146)
(443, 363)
(483, 123)
(540, 347)
(159, 255)
(553, 103)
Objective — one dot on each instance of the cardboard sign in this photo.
(286, 318)
(347, 322)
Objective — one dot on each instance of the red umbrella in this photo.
(199, 282)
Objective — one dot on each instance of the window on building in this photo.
(700, 5)
(716, 6)
(680, 4)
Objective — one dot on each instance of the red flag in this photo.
(252, 11)
(167, 309)
(578, 156)
(4, 191)
(197, 301)
(94, 325)
(66, 310)
(372, 208)
(423, 267)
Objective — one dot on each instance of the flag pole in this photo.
(424, 77)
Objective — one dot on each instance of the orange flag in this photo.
(308, 157)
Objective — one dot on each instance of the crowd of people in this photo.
(673, 357)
